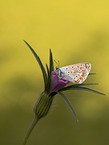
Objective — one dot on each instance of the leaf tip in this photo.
(24, 40)
(77, 120)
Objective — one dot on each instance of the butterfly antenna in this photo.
(58, 63)
(55, 61)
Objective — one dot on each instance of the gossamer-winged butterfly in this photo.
(76, 73)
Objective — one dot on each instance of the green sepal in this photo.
(92, 73)
(40, 64)
(51, 68)
(48, 72)
(74, 87)
(51, 64)
(85, 84)
(68, 103)
(48, 80)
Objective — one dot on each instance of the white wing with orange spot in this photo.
(76, 73)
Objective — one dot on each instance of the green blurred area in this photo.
(76, 31)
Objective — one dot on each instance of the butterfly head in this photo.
(59, 72)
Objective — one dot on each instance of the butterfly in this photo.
(76, 73)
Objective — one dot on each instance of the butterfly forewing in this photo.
(76, 73)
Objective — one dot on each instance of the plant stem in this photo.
(30, 130)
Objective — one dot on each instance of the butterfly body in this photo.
(76, 73)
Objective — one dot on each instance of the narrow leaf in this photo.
(68, 103)
(72, 87)
(47, 70)
(48, 80)
(51, 62)
(39, 62)
(51, 68)
(86, 84)
(92, 73)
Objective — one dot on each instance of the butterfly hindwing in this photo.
(76, 73)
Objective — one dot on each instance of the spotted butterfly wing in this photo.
(76, 73)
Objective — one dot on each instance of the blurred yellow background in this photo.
(76, 31)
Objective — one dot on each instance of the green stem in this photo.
(30, 130)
